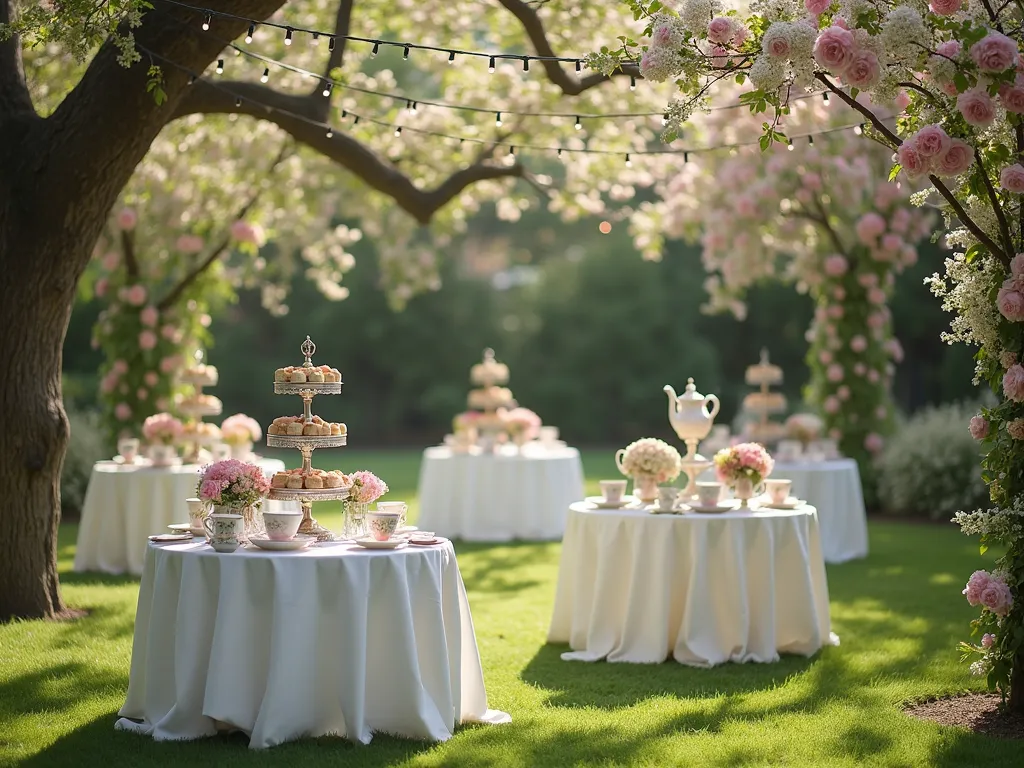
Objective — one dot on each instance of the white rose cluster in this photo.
(650, 456)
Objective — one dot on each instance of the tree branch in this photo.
(287, 112)
(534, 28)
(131, 264)
(342, 25)
(1004, 227)
(14, 93)
(1018, 130)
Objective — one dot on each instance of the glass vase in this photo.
(355, 519)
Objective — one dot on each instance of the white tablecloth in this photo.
(498, 497)
(702, 589)
(834, 488)
(289, 645)
(124, 505)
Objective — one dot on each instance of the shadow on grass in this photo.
(506, 567)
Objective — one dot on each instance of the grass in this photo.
(899, 614)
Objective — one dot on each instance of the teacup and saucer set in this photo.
(384, 524)
(196, 513)
(668, 502)
(709, 500)
(613, 495)
(777, 495)
(282, 533)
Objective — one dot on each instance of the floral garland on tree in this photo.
(962, 127)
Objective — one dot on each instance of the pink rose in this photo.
(835, 312)
(996, 596)
(957, 159)
(995, 53)
(1012, 97)
(151, 378)
(858, 343)
(874, 442)
(900, 221)
(834, 373)
(873, 376)
(839, 293)
(149, 316)
(120, 366)
(863, 70)
(1011, 178)
(778, 47)
(831, 404)
(169, 363)
(868, 280)
(840, 22)
(843, 393)
(122, 411)
(135, 295)
(988, 640)
(825, 357)
(101, 287)
(147, 340)
(662, 37)
(1010, 304)
(1016, 429)
(162, 404)
(979, 427)
(168, 331)
(945, 7)
(876, 296)
(110, 261)
(975, 586)
(189, 244)
(950, 49)
(720, 30)
(817, 7)
(836, 266)
(141, 393)
(977, 107)
(910, 159)
(869, 227)
(892, 243)
(1013, 383)
(833, 49)
(895, 349)
(950, 89)
(932, 141)
(127, 219)
(860, 369)
(244, 232)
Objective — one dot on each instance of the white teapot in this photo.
(691, 414)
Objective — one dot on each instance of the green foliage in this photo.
(930, 465)
(85, 447)
(80, 25)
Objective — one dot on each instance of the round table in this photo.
(834, 488)
(702, 589)
(498, 496)
(285, 645)
(124, 505)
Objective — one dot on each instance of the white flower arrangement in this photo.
(650, 456)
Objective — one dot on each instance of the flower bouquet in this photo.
(743, 467)
(649, 461)
(161, 431)
(240, 432)
(522, 424)
(234, 486)
(366, 489)
(805, 427)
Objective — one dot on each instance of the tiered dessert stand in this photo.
(306, 444)
(764, 403)
(196, 411)
(691, 415)
(485, 375)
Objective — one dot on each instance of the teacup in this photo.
(225, 531)
(196, 512)
(778, 490)
(394, 506)
(709, 494)
(382, 525)
(613, 490)
(128, 448)
(667, 497)
(282, 526)
(548, 435)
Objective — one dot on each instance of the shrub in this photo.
(931, 466)
(85, 448)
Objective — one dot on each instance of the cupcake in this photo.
(310, 430)
(332, 480)
(295, 482)
(279, 480)
(298, 377)
(316, 377)
(314, 482)
(295, 428)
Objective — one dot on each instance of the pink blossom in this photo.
(835, 312)
(147, 340)
(831, 404)
(101, 287)
(169, 363)
(366, 486)
(868, 279)
(996, 596)
(108, 383)
(876, 296)
(141, 393)
(892, 242)
(817, 7)
(839, 293)
(1016, 429)
(869, 227)
(895, 349)
(745, 205)
(958, 158)
(189, 244)
(858, 343)
(110, 261)
(1010, 304)
(162, 403)
(1013, 383)
(244, 232)
(122, 412)
(1017, 265)
(149, 316)
(860, 369)
(873, 376)
(945, 7)
(902, 100)
(900, 222)
(151, 378)
(778, 47)
(932, 141)
(825, 357)
(950, 89)
(988, 640)
(840, 22)
(950, 49)
(135, 295)
(834, 373)
(843, 393)
(740, 37)
(127, 219)
(661, 38)
(168, 331)
(836, 265)
(975, 586)
(720, 30)
(910, 160)
(977, 107)
(1011, 178)
(995, 53)
(120, 367)
(1012, 97)
(863, 70)
(811, 181)
(874, 442)
(834, 49)
(979, 427)
(880, 412)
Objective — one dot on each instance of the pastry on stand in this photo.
(196, 434)
(307, 433)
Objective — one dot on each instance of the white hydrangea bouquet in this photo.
(650, 457)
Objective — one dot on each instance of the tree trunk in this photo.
(1016, 701)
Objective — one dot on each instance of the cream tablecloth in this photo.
(833, 487)
(702, 589)
(498, 497)
(332, 640)
(124, 505)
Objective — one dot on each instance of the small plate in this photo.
(371, 543)
(185, 527)
(164, 538)
(600, 503)
(426, 542)
(299, 542)
(717, 509)
(791, 503)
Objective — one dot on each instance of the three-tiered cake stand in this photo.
(764, 402)
(198, 378)
(306, 444)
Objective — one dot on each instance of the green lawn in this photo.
(899, 615)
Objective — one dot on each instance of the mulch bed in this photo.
(978, 712)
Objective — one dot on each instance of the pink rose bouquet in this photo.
(161, 429)
(521, 422)
(366, 487)
(233, 483)
(744, 461)
(650, 456)
(466, 421)
(240, 429)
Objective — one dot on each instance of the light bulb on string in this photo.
(579, 65)
(579, 125)
(490, 65)
(559, 153)
(250, 33)
(686, 157)
(238, 101)
(824, 97)
(238, 52)
(220, 66)
(632, 83)
(344, 114)
(398, 131)
(810, 140)
(859, 129)
(355, 121)
(191, 79)
(265, 76)
(497, 119)
(331, 44)
(629, 163)
(512, 150)
(327, 88)
(376, 49)
(664, 119)
(288, 36)
(315, 39)
(330, 133)
(405, 52)
(791, 146)
(526, 64)
(451, 57)
(207, 22)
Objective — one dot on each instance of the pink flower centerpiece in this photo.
(743, 467)
(240, 432)
(237, 487)
(366, 489)
(649, 461)
(162, 431)
(522, 424)
(805, 427)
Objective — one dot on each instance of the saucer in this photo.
(791, 503)
(600, 503)
(696, 506)
(656, 510)
(290, 545)
(164, 538)
(183, 527)
(407, 529)
(371, 543)
(426, 542)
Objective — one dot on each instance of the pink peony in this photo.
(831, 404)
(122, 411)
(996, 596)
(995, 53)
(151, 378)
(817, 7)
(979, 427)
(149, 316)
(367, 487)
(975, 586)
(110, 261)
(945, 7)
(135, 295)
(910, 159)
(874, 442)
(1013, 383)
(977, 107)
(1011, 178)
(957, 159)
(1011, 304)
(127, 219)
(147, 340)
(988, 640)
(1016, 429)
(189, 244)
(834, 49)
(836, 266)
(932, 141)
(834, 373)
(101, 287)
(869, 227)
(863, 70)
(858, 343)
